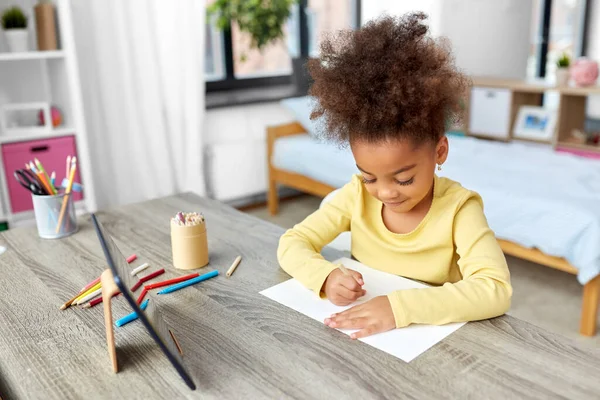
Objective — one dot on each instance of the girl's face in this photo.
(398, 173)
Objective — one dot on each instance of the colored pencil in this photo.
(131, 258)
(89, 285)
(67, 194)
(70, 301)
(139, 269)
(53, 179)
(233, 266)
(189, 282)
(40, 178)
(147, 278)
(131, 317)
(171, 281)
(97, 301)
(80, 295)
(142, 295)
(68, 169)
(90, 296)
(90, 290)
(40, 168)
(176, 342)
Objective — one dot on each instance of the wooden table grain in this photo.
(236, 342)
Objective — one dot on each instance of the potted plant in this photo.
(14, 23)
(562, 70)
(264, 22)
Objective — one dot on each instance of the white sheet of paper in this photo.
(405, 343)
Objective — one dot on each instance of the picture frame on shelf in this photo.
(24, 118)
(535, 123)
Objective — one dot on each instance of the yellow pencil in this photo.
(90, 290)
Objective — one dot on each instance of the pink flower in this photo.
(584, 72)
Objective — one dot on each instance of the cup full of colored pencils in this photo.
(189, 241)
(52, 204)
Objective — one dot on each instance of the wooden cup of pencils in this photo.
(189, 241)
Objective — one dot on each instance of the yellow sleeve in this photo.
(485, 290)
(299, 251)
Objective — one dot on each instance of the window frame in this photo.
(544, 35)
(230, 82)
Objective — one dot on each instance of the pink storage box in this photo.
(52, 153)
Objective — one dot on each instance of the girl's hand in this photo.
(342, 289)
(372, 317)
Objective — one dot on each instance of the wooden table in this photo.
(236, 342)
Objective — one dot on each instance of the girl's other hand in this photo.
(372, 317)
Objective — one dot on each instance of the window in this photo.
(274, 60)
(231, 63)
(557, 26)
(214, 62)
(326, 16)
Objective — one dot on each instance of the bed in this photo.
(543, 206)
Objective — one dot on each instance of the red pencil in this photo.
(97, 301)
(142, 295)
(89, 285)
(170, 281)
(147, 278)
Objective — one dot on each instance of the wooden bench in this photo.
(591, 290)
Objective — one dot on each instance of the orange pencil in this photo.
(41, 178)
(67, 193)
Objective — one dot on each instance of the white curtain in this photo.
(142, 77)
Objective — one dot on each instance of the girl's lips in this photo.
(394, 203)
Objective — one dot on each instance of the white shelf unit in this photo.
(44, 76)
(32, 55)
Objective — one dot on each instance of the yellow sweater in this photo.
(453, 249)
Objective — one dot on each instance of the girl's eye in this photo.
(367, 181)
(405, 183)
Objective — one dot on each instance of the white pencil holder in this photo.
(47, 216)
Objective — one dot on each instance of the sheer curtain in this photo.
(142, 78)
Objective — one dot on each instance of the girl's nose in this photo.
(388, 193)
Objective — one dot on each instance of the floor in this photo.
(542, 296)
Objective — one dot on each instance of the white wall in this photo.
(371, 9)
(236, 156)
(489, 37)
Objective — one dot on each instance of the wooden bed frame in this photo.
(591, 290)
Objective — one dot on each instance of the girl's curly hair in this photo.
(386, 80)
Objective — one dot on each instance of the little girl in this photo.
(387, 90)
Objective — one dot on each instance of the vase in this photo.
(17, 40)
(562, 76)
(45, 26)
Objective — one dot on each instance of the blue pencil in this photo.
(131, 317)
(181, 285)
